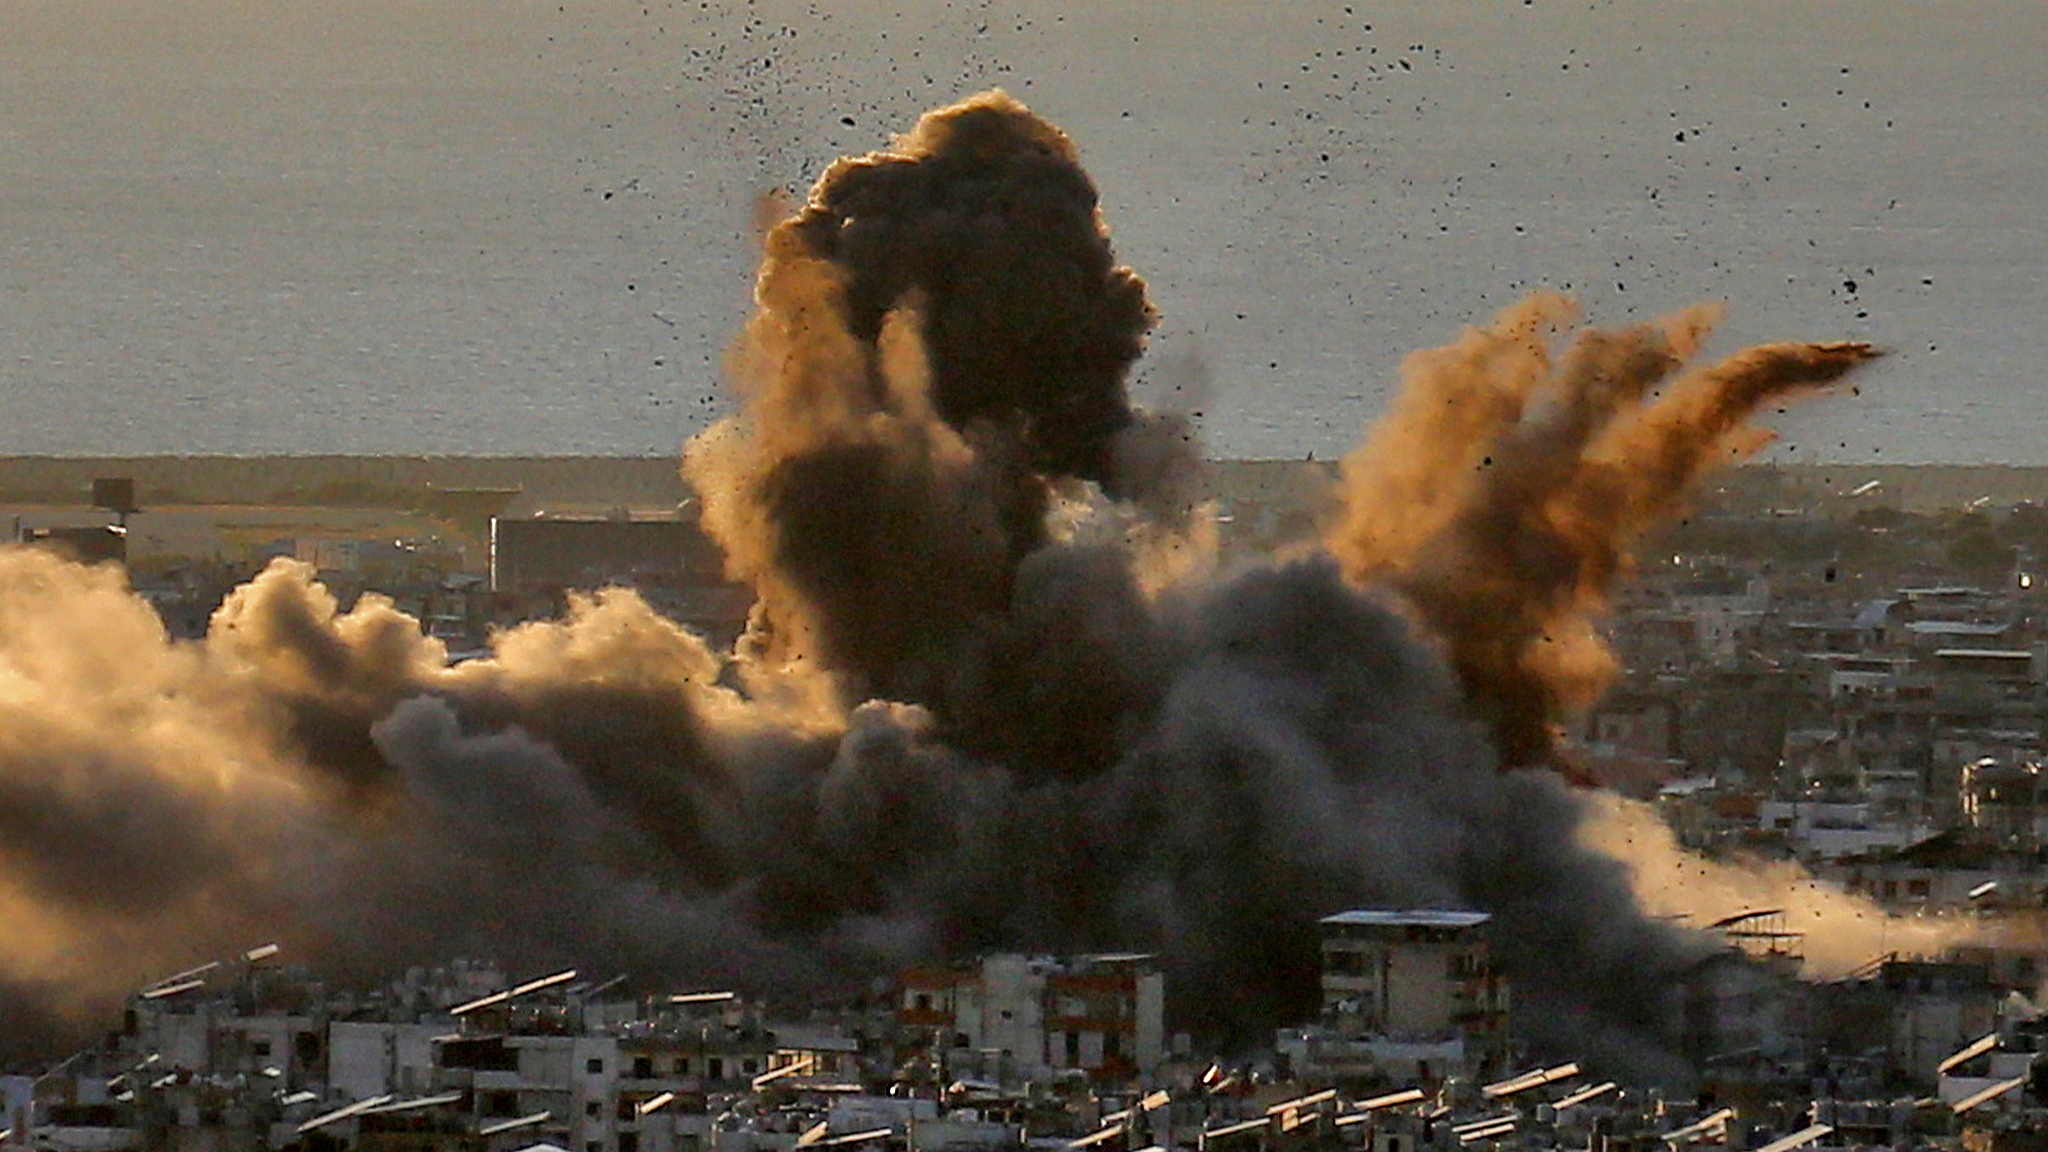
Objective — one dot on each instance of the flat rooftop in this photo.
(1411, 918)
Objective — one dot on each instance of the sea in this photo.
(400, 227)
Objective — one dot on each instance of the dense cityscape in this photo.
(1823, 673)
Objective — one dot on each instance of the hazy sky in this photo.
(395, 225)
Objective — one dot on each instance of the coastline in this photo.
(655, 482)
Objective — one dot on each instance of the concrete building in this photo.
(1954, 869)
(375, 1058)
(1398, 979)
(1012, 1016)
(1938, 1007)
(85, 544)
(668, 559)
(565, 1085)
(1833, 829)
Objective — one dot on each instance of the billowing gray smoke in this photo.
(957, 729)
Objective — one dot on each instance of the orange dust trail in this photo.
(1503, 494)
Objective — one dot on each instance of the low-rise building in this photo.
(1010, 1016)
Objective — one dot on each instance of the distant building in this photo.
(1833, 829)
(1012, 1016)
(1418, 988)
(1937, 1007)
(88, 544)
(1955, 868)
(668, 559)
(590, 552)
(2001, 799)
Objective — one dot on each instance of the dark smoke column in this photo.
(941, 331)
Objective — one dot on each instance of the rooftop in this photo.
(1956, 628)
(1413, 917)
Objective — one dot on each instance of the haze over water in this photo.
(390, 226)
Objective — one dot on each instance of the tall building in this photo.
(1418, 988)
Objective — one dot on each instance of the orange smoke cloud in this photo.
(1502, 494)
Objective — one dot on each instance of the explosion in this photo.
(950, 727)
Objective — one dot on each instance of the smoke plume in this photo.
(975, 709)
(942, 335)
(1502, 494)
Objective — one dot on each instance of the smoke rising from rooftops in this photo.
(942, 334)
(955, 728)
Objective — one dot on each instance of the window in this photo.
(260, 1047)
(629, 1142)
(592, 1109)
(752, 1065)
(682, 1065)
(643, 1067)
(715, 1068)
(1344, 962)
(594, 1066)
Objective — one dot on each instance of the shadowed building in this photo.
(1413, 985)
(667, 559)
